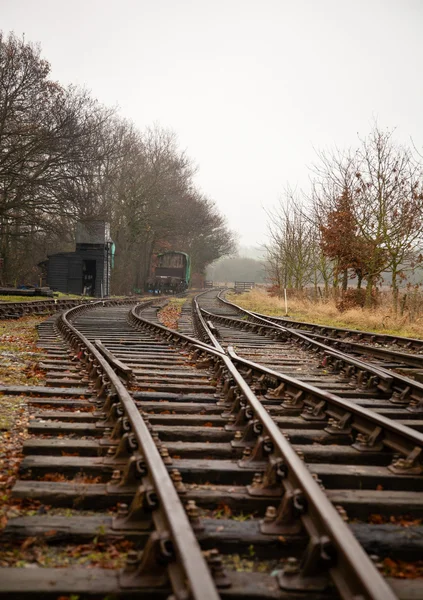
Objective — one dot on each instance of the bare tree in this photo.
(64, 157)
(382, 182)
(292, 244)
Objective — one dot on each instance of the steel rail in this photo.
(134, 318)
(352, 560)
(414, 360)
(199, 579)
(375, 337)
(19, 309)
(377, 371)
(412, 437)
(351, 570)
(123, 370)
(413, 388)
(202, 325)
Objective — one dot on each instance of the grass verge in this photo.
(380, 320)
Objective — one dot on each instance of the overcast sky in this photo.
(251, 87)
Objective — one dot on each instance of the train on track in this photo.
(171, 273)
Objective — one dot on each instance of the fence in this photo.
(244, 286)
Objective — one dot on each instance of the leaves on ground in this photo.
(19, 354)
(36, 552)
(401, 569)
(19, 358)
(402, 520)
(169, 315)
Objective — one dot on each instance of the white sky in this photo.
(249, 86)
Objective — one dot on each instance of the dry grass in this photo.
(381, 320)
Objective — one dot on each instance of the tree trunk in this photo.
(344, 280)
(369, 289)
(335, 283)
(394, 289)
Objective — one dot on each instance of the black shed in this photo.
(87, 270)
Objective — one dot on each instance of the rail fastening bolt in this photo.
(270, 514)
(122, 509)
(164, 453)
(257, 479)
(116, 475)
(291, 566)
(247, 452)
(342, 512)
(177, 480)
(238, 435)
(132, 559)
(192, 510)
(376, 561)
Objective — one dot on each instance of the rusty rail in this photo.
(316, 404)
(333, 552)
(173, 545)
(342, 333)
(404, 391)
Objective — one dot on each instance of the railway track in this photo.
(350, 335)
(16, 310)
(185, 458)
(403, 354)
(394, 352)
(370, 382)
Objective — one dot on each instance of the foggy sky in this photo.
(251, 87)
